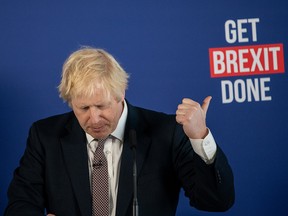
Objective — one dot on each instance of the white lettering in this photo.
(246, 60)
(245, 90)
(252, 89)
(256, 59)
(227, 96)
(219, 65)
(265, 89)
(274, 56)
(231, 60)
(243, 60)
(239, 91)
(253, 22)
(239, 30)
(266, 59)
(230, 31)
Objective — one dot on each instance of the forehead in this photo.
(99, 95)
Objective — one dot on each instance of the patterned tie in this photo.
(100, 188)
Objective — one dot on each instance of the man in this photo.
(57, 172)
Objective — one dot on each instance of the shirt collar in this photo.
(120, 129)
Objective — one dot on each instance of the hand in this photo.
(51, 215)
(193, 117)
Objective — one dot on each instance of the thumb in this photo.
(206, 103)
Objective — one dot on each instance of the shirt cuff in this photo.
(205, 148)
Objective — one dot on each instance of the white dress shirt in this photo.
(112, 150)
(205, 148)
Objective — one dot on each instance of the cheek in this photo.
(82, 119)
(107, 116)
(110, 117)
(115, 118)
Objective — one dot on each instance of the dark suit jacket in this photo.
(53, 171)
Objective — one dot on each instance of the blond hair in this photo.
(88, 69)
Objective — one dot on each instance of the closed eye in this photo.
(85, 108)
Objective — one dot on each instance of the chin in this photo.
(99, 135)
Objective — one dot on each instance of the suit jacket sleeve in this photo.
(209, 187)
(166, 162)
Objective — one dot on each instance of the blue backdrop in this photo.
(164, 46)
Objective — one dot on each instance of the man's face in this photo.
(98, 115)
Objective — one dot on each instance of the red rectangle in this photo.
(246, 60)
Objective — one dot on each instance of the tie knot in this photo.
(101, 142)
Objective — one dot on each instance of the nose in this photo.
(94, 115)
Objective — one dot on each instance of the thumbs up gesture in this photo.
(192, 116)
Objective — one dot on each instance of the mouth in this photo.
(97, 129)
(102, 129)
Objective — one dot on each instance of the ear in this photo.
(70, 104)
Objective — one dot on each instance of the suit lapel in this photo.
(125, 187)
(75, 156)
